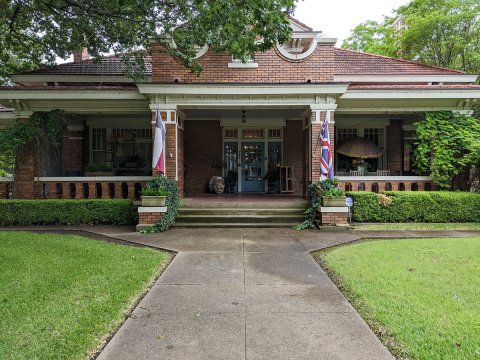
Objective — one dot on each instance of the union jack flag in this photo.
(326, 167)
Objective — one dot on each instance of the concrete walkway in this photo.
(243, 294)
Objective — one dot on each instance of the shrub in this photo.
(172, 202)
(65, 212)
(148, 191)
(412, 206)
(333, 193)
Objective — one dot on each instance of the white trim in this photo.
(392, 78)
(302, 56)
(92, 178)
(202, 51)
(384, 178)
(241, 89)
(152, 209)
(176, 152)
(240, 65)
(72, 127)
(412, 94)
(333, 209)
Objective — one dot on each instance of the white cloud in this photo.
(336, 18)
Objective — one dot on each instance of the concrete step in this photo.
(237, 211)
(244, 219)
(234, 225)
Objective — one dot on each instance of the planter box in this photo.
(153, 201)
(337, 201)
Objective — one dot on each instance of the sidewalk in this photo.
(243, 294)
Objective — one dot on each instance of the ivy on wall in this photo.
(448, 146)
(172, 203)
(39, 128)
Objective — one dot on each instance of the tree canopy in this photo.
(37, 32)
(444, 33)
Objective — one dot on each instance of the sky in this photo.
(336, 18)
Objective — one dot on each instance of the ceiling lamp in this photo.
(244, 117)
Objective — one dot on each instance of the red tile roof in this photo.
(77, 87)
(350, 62)
(109, 65)
(347, 62)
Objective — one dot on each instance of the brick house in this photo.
(236, 120)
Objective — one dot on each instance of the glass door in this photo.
(231, 167)
(252, 169)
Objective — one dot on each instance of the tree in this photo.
(35, 32)
(448, 145)
(444, 33)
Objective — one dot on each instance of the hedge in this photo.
(413, 206)
(66, 212)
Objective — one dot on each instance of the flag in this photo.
(158, 161)
(326, 167)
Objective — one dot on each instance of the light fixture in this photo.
(244, 117)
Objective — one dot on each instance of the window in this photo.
(99, 145)
(237, 63)
(275, 133)
(231, 133)
(344, 134)
(252, 134)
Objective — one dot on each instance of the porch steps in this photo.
(239, 217)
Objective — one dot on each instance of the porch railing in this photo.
(92, 187)
(6, 187)
(386, 183)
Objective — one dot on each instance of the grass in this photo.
(62, 295)
(418, 226)
(419, 296)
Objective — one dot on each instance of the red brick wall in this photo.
(26, 169)
(293, 152)
(272, 68)
(202, 144)
(395, 147)
(72, 151)
(150, 218)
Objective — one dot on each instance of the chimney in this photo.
(81, 55)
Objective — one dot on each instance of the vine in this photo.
(314, 197)
(39, 128)
(172, 203)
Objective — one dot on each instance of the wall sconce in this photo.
(244, 117)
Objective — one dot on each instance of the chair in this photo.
(383, 172)
(356, 173)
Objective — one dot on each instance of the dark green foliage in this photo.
(439, 32)
(314, 197)
(33, 33)
(447, 146)
(65, 212)
(39, 128)
(172, 202)
(412, 206)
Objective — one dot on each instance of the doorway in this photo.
(252, 167)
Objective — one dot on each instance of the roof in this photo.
(351, 62)
(63, 88)
(415, 87)
(109, 65)
(347, 62)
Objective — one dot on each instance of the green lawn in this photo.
(61, 295)
(421, 296)
(418, 226)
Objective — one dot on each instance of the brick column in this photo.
(316, 119)
(173, 143)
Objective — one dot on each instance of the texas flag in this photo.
(158, 161)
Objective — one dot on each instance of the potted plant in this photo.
(272, 177)
(333, 197)
(362, 165)
(153, 197)
(98, 169)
